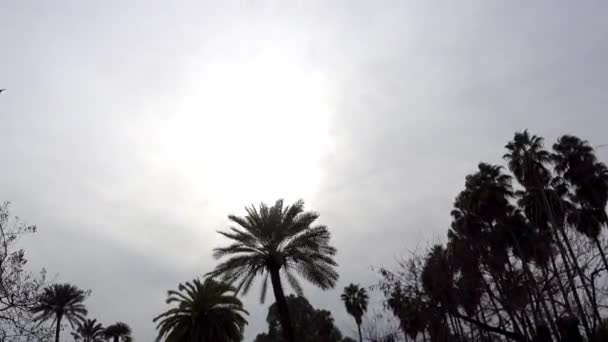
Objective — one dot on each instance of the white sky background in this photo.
(130, 129)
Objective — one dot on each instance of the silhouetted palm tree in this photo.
(355, 300)
(479, 237)
(528, 161)
(206, 312)
(278, 238)
(118, 332)
(90, 331)
(576, 162)
(58, 302)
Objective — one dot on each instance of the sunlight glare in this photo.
(251, 132)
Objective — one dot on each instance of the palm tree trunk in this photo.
(581, 275)
(279, 297)
(562, 288)
(557, 227)
(599, 247)
(359, 328)
(535, 287)
(507, 309)
(58, 328)
(493, 302)
(460, 328)
(451, 323)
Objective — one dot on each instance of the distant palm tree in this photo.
(355, 300)
(118, 331)
(60, 301)
(90, 331)
(278, 238)
(206, 312)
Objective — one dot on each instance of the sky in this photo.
(131, 129)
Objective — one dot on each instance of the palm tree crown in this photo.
(118, 331)
(60, 301)
(355, 300)
(206, 311)
(527, 159)
(277, 238)
(90, 331)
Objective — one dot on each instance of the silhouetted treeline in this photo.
(525, 254)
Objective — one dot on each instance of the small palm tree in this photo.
(60, 301)
(118, 331)
(274, 239)
(355, 300)
(206, 312)
(90, 331)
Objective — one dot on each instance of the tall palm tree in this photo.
(269, 240)
(478, 237)
(118, 331)
(528, 161)
(60, 301)
(206, 312)
(355, 300)
(576, 162)
(90, 331)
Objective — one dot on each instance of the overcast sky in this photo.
(130, 129)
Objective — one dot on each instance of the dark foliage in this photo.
(310, 324)
(205, 312)
(524, 261)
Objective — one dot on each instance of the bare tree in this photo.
(18, 288)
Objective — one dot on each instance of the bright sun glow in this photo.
(253, 131)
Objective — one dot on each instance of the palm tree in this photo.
(206, 312)
(118, 331)
(355, 300)
(274, 239)
(478, 237)
(60, 301)
(528, 161)
(90, 331)
(576, 162)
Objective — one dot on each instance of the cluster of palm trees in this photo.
(276, 242)
(525, 257)
(65, 303)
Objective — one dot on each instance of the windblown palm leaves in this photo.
(273, 239)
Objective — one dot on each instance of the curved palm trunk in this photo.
(536, 290)
(359, 328)
(279, 297)
(505, 307)
(557, 229)
(58, 328)
(562, 288)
